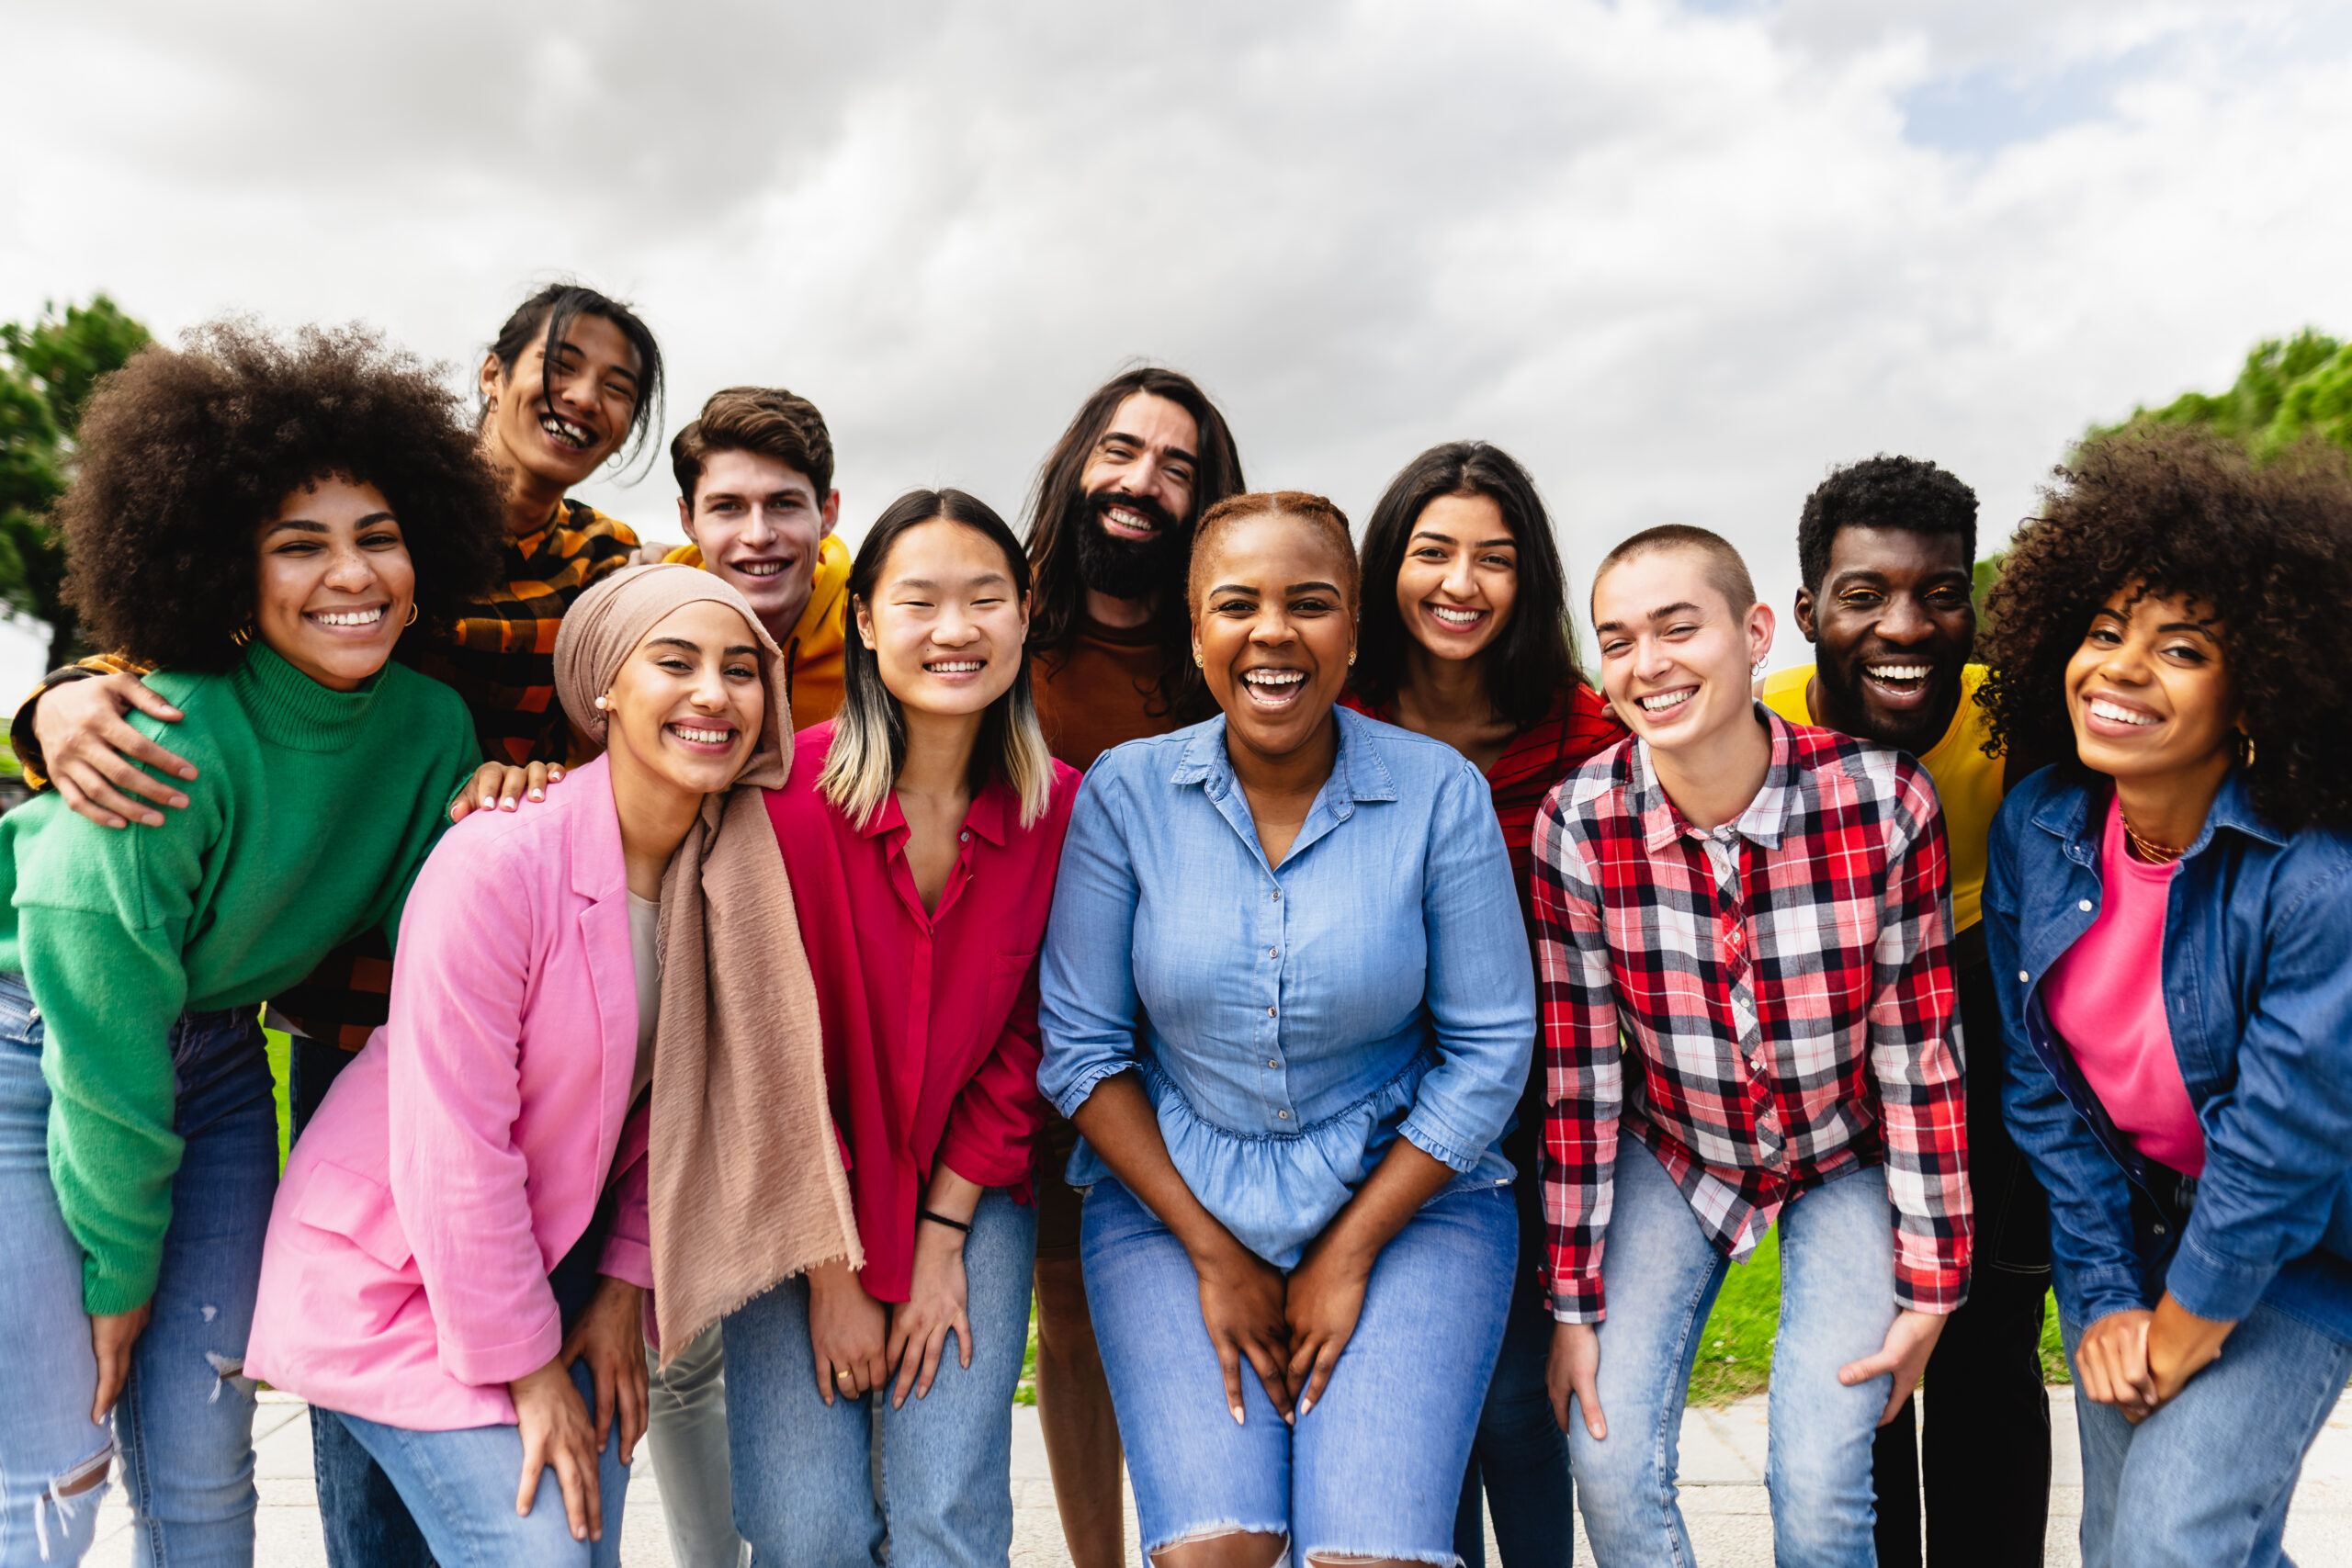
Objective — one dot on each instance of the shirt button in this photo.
(2085, 905)
(1273, 1062)
(1273, 952)
(1271, 1014)
(1278, 893)
(1282, 1115)
(2023, 976)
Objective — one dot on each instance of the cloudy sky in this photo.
(1680, 258)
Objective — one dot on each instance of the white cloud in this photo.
(1679, 259)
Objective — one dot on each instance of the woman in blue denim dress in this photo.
(2167, 910)
(1287, 1002)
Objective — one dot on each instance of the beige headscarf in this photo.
(747, 1187)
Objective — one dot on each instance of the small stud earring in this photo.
(604, 703)
(1351, 658)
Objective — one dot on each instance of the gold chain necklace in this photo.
(2149, 850)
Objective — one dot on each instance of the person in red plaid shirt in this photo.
(1749, 1020)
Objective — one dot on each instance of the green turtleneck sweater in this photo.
(309, 814)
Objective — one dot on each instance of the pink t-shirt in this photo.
(2106, 998)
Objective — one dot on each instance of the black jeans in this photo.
(1985, 1452)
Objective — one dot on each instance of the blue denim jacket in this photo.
(1290, 1023)
(2258, 996)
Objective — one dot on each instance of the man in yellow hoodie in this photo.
(755, 497)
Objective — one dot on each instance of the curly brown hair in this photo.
(183, 454)
(2174, 512)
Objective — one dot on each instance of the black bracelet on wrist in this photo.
(943, 1220)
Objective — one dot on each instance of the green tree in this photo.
(2288, 389)
(47, 372)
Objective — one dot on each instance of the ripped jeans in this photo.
(184, 1421)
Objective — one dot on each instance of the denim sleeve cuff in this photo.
(1082, 1088)
(2219, 1289)
(1423, 1133)
(2101, 1295)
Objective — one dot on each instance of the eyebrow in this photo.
(1949, 574)
(931, 585)
(1683, 607)
(308, 525)
(2202, 628)
(1176, 454)
(565, 345)
(1294, 588)
(1448, 540)
(674, 642)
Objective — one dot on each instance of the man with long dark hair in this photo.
(1110, 535)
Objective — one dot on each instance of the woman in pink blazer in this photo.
(456, 1260)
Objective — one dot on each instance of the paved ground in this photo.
(1723, 1497)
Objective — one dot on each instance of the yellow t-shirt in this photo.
(817, 658)
(1968, 783)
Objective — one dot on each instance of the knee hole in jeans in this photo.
(89, 1474)
(1223, 1549)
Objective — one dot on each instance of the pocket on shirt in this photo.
(1006, 972)
(358, 1208)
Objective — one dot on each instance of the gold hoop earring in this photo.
(244, 635)
(2247, 760)
(411, 614)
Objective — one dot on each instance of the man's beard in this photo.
(1125, 569)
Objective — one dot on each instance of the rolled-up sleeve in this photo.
(1087, 1005)
(1481, 982)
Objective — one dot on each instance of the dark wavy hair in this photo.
(185, 453)
(1053, 544)
(548, 314)
(1532, 661)
(1909, 493)
(2169, 511)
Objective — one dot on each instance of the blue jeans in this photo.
(1375, 1469)
(687, 1437)
(1520, 1458)
(185, 1423)
(1661, 1274)
(805, 1479)
(2160, 1494)
(460, 1487)
(360, 1512)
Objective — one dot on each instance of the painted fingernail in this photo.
(1305, 1407)
(538, 794)
(1237, 1415)
(506, 804)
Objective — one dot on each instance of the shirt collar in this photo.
(2067, 815)
(1358, 773)
(1764, 822)
(985, 815)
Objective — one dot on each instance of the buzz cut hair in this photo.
(1725, 569)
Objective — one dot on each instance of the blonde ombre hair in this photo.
(870, 731)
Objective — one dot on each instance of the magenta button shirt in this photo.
(930, 1017)
(2106, 998)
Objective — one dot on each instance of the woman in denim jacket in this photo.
(2167, 911)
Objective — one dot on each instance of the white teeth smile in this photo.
(956, 666)
(1667, 701)
(1454, 617)
(348, 617)
(2102, 708)
(1899, 672)
(759, 567)
(1273, 678)
(563, 430)
(703, 736)
(1126, 519)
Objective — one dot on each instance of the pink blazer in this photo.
(461, 1154)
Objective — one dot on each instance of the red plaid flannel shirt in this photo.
(1784, 998)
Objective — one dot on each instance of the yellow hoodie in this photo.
(813, 652)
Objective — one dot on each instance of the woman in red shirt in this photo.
(1466, 638)
(922, 827)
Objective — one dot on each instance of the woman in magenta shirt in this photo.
(923, 828)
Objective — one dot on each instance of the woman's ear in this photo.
(492, 377)
(865, 623)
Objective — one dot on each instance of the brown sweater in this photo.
(1098, 692)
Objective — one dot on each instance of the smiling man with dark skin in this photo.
(1886, 547)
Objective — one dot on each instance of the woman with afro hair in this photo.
(257, 520)
(2167, 909)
